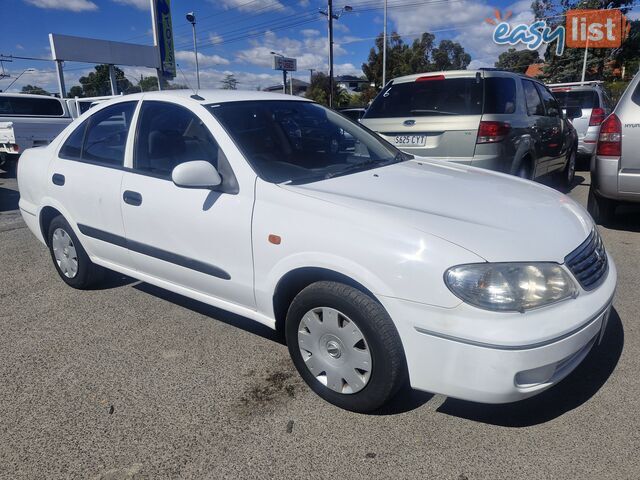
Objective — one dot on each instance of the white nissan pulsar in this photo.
(379, 268)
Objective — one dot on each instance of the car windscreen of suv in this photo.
(298, 142)
(578, 98)
(445, 96)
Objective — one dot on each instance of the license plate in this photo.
(410, 140)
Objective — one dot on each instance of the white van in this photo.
(28, 121)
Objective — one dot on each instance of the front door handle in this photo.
(132, 198)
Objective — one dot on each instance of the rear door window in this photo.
(549, 101)
(499, 95)
(30, 107)
(432, 96)
(102, 137)
(532, 97)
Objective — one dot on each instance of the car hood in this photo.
(496, 216)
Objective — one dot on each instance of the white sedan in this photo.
(379, 268)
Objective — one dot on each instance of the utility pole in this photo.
(310, 75)
(331, 17)
(384, 46)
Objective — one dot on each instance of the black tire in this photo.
(388, 366)
(88, 273)
(568, 173)
(524, 170)
(601, 209)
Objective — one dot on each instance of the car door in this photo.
(86, 176)
(195, 238)
(539, 127)
(558, 130)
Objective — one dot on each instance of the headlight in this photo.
(510, 286)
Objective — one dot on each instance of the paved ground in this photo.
(133, 382)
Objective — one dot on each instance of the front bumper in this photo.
(493, 357)
(586, 146)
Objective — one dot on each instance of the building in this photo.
(299, 87)
(351, 83)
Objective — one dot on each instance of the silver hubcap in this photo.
(572, 167)
(65, 253)
(334, 350)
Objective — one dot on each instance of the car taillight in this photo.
(430, 78)
(610, 139)
(490, 132)
(597, 116)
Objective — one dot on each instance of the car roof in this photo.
(206, 97)
(27, 95)
(487, 72)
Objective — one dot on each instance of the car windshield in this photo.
(577, 98)
(288, 141)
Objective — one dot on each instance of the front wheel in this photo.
(345, 346)
(568, 173)
(70, 258)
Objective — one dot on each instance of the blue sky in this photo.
(236, 36)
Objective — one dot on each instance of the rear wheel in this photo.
(69, 257)
(345, 346)
(601, 209)
(569, 172)
(524, 169)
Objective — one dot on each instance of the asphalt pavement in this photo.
(133, 382)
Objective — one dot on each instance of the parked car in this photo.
(594, 105)
(28, 121)
(354, 113)
(615, 167)
(378, 267)
(486, 118)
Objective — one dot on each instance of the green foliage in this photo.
(76, 91)
(229, 82)
(616, 89)
(97, 83)
(34, 89)
(517, 60)
(318, 91)
(421, 56)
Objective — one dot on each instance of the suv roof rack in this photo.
(588, 83)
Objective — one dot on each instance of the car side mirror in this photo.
(572, 112)
(196, 174)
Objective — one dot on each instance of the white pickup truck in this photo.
(28, 121)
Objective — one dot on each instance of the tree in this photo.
(517, 60)
(35, 90)
(98, 84)
(318, 91)
(421, 56)
(229, 82)
(76, 91)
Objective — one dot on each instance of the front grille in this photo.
(588, 262)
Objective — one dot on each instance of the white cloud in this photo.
(72, 5)
(309, 32)
(311, 52)
(304, 3)
(214, 38)
(186, 56)
(244, 5)
(465, 21)
(141, 4)
(19, 47)
(340, 27)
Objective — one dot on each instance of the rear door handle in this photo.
(58, 179)
(132, 198)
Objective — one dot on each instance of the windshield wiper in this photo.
(440, 112)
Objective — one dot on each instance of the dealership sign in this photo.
(583, 29)
(163, 36)
(285, 63)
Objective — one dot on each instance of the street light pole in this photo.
(384, 46)
(330, 17)
(191, 18)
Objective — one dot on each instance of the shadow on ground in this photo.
(214, 313)
(573, 391)
(8, 199)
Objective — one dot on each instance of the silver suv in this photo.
(486, 118)
(595, 105)
(615, 167)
